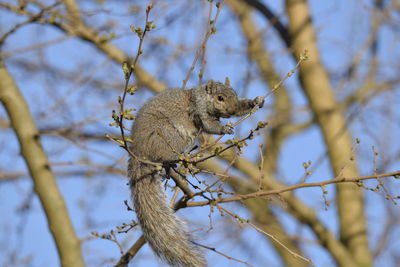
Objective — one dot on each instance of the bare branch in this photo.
(60, 224)
(293, 187)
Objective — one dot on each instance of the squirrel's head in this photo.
(222, 99)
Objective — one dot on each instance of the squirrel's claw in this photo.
(259, 100)
(227, 129)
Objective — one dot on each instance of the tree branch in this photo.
(273, 19)
(320, 94)
(45, 185)
(293, 187)
(126, 258)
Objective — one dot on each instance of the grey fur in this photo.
(166, 126)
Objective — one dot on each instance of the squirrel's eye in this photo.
(220, 98)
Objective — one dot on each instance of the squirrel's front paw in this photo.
(259, 100)
(226, 129)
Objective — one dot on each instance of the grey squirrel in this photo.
(166, 126)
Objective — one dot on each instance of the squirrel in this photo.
(166, 126)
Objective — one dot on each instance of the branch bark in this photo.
(126, 258)
(59, 222)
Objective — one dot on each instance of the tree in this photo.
(311, 177)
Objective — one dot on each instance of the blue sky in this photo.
(95, 202)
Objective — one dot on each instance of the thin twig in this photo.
(128, 75)
(203, 54)
(211, 30)
(263, 232)
(293, 187)
(128, 71)
(302, 58)
(33, 18)
(222, 254)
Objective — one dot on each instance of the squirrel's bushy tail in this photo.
(165, 233)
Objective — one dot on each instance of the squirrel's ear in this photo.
(227, 82)
(209, 86)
